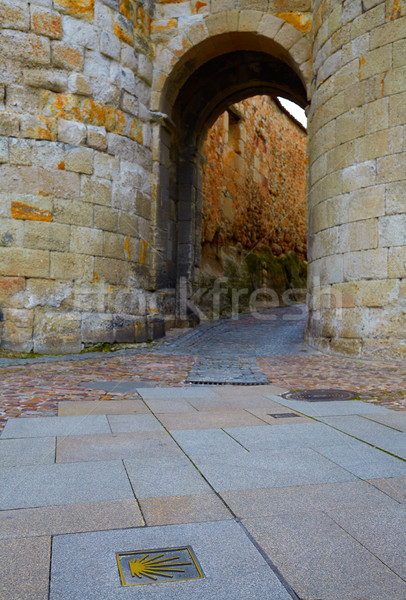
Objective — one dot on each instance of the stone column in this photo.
(357, 206)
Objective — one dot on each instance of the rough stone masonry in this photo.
(105, 105)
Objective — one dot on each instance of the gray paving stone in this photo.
(320, 409)
(165, 477)
(371, 432)
(70, 518)
(396, 419)
(308, 498)
(207, 441)
(121, 387)
(395, 487)
(382, 531)
(320, 560)
(133, 423)
(246, 401)
(25, 568)
(364, 461)
(101, 407)
(167, 393)
(293, 435)
(112, 446)
(259, 470)
(53, 426)
(233, 568)
(47, 485)
(25, 451)
(172, 405)
(209, 419)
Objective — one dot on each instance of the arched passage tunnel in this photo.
(208, 90)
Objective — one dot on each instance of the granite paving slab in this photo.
(53, 426)
(25, 568)
(70, 483)
(70, 518)
(321, 561)
(133, 423)
(168, 393)
(333, 408)
(159, 405)
(371, 432)
(265, 415)
(382, 531)
(232, 391)
(207, 441)
(209, 419)
(242, 401)
(395, 487)
(233, 568)
(165, 477)
(112, 446)
(198, 508)
(123, 387)
(364, 461)
(101, 407)
(396, 419)
(27, 451)
(306, 498)
(258, 470)
(293, 435)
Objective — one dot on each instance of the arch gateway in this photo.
(105, 104)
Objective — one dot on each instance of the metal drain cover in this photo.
(157, 566)
(326, 395)
(283, 415)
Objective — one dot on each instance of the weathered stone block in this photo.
(96, 191)
(79, 160)
(67, 57)
(53, 80)
(115, 246)
(367, 203)
(377, 293)
(105, 218)
(38, 128)
(96, 137)
(79, 84)
(71, 132)
(12, 292)
(392, 230)
(71, 266)
(47, 236)
(46, 23)
(29, 48)
(110, 45)
(73, 212)
(3, 150)
(24, 262)
(46, 292)
(395, 198)
(17, 331)
(80, 9)
(85, 240)
(112, 271)
(9, 124)
(20, 152)
(367, 264)
(391, 168)
(57, 333)
(97, 328)
(14, 15)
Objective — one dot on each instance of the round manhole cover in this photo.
(325, 395)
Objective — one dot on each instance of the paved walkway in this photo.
(277, 499)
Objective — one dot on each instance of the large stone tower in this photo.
(105, 106)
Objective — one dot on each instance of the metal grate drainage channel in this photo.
(321, 395)
(226, 382)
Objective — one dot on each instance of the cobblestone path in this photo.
(251, 350)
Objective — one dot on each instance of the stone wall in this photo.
(105, 105)
(75, 173)
(357, 248)
(254, 179)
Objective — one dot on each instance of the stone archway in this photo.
(209, 77)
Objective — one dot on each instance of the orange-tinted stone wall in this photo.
(254, 180)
